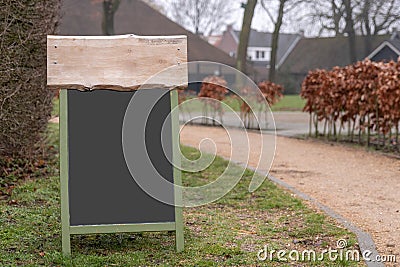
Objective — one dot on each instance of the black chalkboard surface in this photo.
(101, 188)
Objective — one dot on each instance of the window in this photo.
(260, 54)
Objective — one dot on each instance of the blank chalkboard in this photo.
(101, 189)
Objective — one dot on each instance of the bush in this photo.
(25, 102)
(213, 90)
(365, 96)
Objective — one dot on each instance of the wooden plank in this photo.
(64, 175)
(122, 228)
(179, 238)
(123, 62)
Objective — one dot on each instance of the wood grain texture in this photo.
(122, 62)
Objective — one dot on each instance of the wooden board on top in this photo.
(121, 62)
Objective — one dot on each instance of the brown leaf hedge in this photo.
(213, 91)
(364, 96)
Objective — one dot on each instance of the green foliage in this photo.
(289, 103)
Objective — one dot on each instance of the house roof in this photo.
(134, 16)
(395, 40)
(393, 44)
(263, 39)
(325, 53)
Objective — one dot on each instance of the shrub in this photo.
(213, 90)
(268, 91)
(365, 96)
(25, 102)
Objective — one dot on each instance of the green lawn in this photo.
(56, 107)
(229, 232)
(289, 103)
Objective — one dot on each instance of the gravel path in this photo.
(361, 186)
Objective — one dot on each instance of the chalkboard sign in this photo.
(98, 192)
(96, 159)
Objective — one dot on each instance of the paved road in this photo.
(287, 123)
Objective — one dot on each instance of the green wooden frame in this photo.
(68, 230)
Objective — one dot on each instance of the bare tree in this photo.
(376, 17)
(245, 34)
(370, 17)
(202, 17)
(285, 6)
(109, 9)
(352, 17)
(348, 7)
(330, 15)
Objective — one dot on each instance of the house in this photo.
(134, 16)
(388, 50)
(259, 47)
(320, 53)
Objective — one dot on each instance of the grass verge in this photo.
(289, 103)
(229, 232)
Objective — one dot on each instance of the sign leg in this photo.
(66, 246)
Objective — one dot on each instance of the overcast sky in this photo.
(261, 21)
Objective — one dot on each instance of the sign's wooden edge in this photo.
(115, 87)
(171, 51)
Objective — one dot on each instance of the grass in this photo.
(56, 107)
(228, 232)
(289, 103)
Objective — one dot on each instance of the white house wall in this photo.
(252, 53)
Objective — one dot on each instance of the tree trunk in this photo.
(336, 18)
(109, 9)
(349, 128)
(369, 130)
(334, 129)
(340, 131)
(350, 31)
(368, 31)
(197, 18)
(244, 35)
(316, 125)
(275, 41)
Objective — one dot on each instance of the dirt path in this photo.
(361, 186)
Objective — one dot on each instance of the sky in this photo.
(261, 21)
